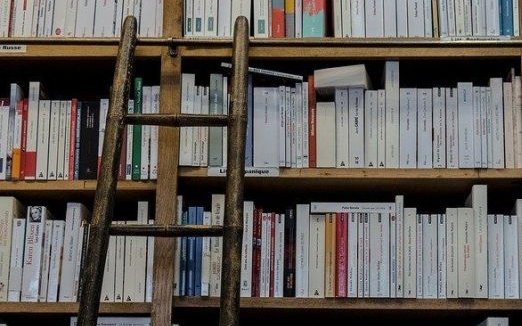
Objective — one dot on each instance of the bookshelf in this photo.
(173, 179)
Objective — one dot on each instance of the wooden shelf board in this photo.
(71, 186)
(456, 305)
(72, 51)
(314, 52)
(379, 174)
(72, 308)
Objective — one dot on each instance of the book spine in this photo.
(7, 216)
(425, 128)
(429, 264)
(358, 26)
(370, 129)
(279, 252)
(390, 18)
(439, 127)
(374, 18)
(261, 14)
(43, 137)
(290, 254)
(63, 140)
(306, 126)
(442, 256)
(52, 155)
(46, 259)
(298, 18)
(314, 18)
(290, 18)
(408, 129)
(89, 132)
(109, 275)
(511, 272)
(360, 254)
(246, 253)
(85, 21)
(392, 113)
(443, 18)
(119, 266)
(496, 257)
(381, 128)
(316, 274)
(70, 248)
(399, 231)
(312, 111)
(452, 130)
(198, 252)
(466, 253)
(356, 126)
(420, 256)
(497, 119)
(341, 255)
(329, 255)
(302, 251)
(341, 128)
(410, 253)
(17, 260)
(137, 130)
(346, 19)
(70, 18)
(224, 17)
(352, 262)
(56, 259)
(337, 19)
(366, 255)
(218, 203)
(508, 126)
(205, 259)
(36, 217)
(145, 135)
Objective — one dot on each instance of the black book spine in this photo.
(89, 140)
(289, 259)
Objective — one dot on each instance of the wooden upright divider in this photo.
(166, 191)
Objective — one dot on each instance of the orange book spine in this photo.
(278, 18)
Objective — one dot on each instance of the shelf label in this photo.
(249, 172)
(13, 48)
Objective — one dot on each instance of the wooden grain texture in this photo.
(72, 186)
(375, 305)
(69, 308)
(164, 249)
(66, 52)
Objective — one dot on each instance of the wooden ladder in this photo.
(101, 227)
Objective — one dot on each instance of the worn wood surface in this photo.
(178, 120)
(92, 273)
(167, 231)
(69, 308)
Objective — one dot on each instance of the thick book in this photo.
(89, 131)
(352, 76)
(314, 18)
(466, 253)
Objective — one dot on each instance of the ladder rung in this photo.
(167, 231)
(177, 120)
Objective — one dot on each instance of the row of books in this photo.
(468, 126)
(74, 18)
(354, 18)
(360, 250)
(43, 139)
(42, 256)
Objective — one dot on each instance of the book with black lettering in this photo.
(289, 260)
(89, 140)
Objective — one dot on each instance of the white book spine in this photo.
(298, 18)
(390, 18)
(460, 20)
(360, 254)
(346, 7)
(380, 255)
(79, 251)
(489, 127)
(306, 130)
(392, 252)
(356, 127)
(187, 106)
(493, 17)
(439, 127)
(224, 18)
(63, 140)
(239, 8)
(484, 127)
(104, 108)
(352, 255)
(366, 255)
(511, 272)
(281, 104)
(145, 134)
(130, 134)
(465, 125)
(508, 126)
(206, 256)
(56, 23)
(56, 259)
(478, 14)
(5, 13)
(518, 212)
(36, 217)
(203, 131)
(73, 220)
(196, 135)
(402, 18)
(52, 156)
(441, 257)
(392, 113)
(211, 18)
(266, 127)
(358, 26)
(416, 18)
(298, 107)
(325, 121)
(40, 27)
(137, 11)
(104, 18)
(85, 21)
(316, 276)
(477, 131)
(218, 207)
(408, 128)
(246, 252)
(4, 126)
(261, 14)
(370, 129)
(17, 260)
(10, 209)
(149, 271)
(516, 18)
(42, 149)
(46, 259)
(188, 28)
(136, 260)
(428, 19)
(468, 31)
(466, 253)
(425, 128)
(381, 128)
(452, 253)
(279, 248)
(118, 17)
(199, 18)
(159, 19)
(420, 257)
(337, 19)
(154, 134)
(374, 18)
(443, 18)
(70, 18)
(28, 18)
(497, 119)
(119, 267)
(452, 26)
(478, 201)
(517, 120)
(400, 247)
(495, 257)
(341, 128)
(452, 131)
(429, 264)
(410, 253)
(109, 274)
(302, 250)
(148, 19)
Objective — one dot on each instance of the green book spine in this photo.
(136, 135)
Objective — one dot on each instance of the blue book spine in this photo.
(191, 256)
(249, 160)
(183, 260)
(199, 252)
(506, 17)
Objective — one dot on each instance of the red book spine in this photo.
(72, 137)
(341, 254)
(257, 253)
(311, 123)
(23, 157)
(278, 21)
(272, 253)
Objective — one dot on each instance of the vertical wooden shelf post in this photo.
(164, 248)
